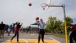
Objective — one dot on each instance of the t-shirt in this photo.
(74, 28)
(2, 26)
(9, 29)
(41, 25)
(17, 28)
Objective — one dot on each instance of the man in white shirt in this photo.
(41, 26)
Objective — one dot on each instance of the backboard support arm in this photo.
(55, 6)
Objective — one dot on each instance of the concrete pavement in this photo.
(33, 36)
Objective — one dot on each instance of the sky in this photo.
(12, 11)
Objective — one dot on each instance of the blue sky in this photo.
(18, 10)
(74, 20)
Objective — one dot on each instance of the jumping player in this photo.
(17, 31)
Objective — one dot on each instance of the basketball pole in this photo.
(63, 6)
(66, 35)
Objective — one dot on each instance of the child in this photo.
(18, 26)
(9, 30)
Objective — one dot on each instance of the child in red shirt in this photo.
(17, 31)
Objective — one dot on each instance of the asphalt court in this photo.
(29, 38)
(30, 41)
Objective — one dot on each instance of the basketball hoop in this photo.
(44, 5)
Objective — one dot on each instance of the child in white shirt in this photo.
(9, 30)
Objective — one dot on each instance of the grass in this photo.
(59, 35)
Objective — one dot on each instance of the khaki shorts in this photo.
(1, 32)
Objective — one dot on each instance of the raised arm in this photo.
(21, 24)
(37, 22)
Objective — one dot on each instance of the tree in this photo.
(51, 23)
(69, 20)
(59, 24)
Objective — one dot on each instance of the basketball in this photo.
(37, 18)
(30, 4)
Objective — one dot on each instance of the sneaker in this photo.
(17, 41)
(11, 41)
(43, 41)
(38, 41)
(8, 35)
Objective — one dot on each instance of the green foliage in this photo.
(69, 20)
(59, 25)
(53, 24)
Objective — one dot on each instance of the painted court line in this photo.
(33, 39)
(55, 39)
(20, 39)
(25, 40)
(4, 41)
(32, 34)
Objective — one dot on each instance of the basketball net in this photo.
(44, 5)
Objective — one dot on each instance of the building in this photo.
(33, 29)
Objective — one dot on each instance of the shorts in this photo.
(1, 32)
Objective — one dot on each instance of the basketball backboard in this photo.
(48, 3)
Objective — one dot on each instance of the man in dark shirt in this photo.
(17, 31)
(73, 34)
(2, 29)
